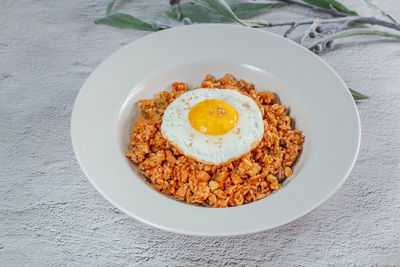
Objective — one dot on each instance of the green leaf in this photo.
(328, 3)
(197, 13)
(201, 14)
(109, 7)
(125, 21)
(221, 7)
(357, 95)
(383, 13)
(248, 9)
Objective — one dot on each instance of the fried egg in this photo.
(213, 126)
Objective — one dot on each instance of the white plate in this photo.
(317, 98)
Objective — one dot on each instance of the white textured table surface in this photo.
(50, 214)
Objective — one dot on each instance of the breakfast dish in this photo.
(101, 123)
(222, 144)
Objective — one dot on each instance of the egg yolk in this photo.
(213, 117)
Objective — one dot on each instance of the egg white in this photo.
(210, 149)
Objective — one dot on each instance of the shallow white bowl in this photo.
(316, 96)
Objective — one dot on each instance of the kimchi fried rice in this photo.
(246, 179)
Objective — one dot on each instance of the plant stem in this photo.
(346, 20)
(375, 21)
(312, 28)
(353, 32)
(291, 29)
(334, 12)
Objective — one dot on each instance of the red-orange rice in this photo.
(249, 178)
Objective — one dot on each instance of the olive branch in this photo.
(318, 37)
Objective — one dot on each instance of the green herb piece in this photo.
(147, 178)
